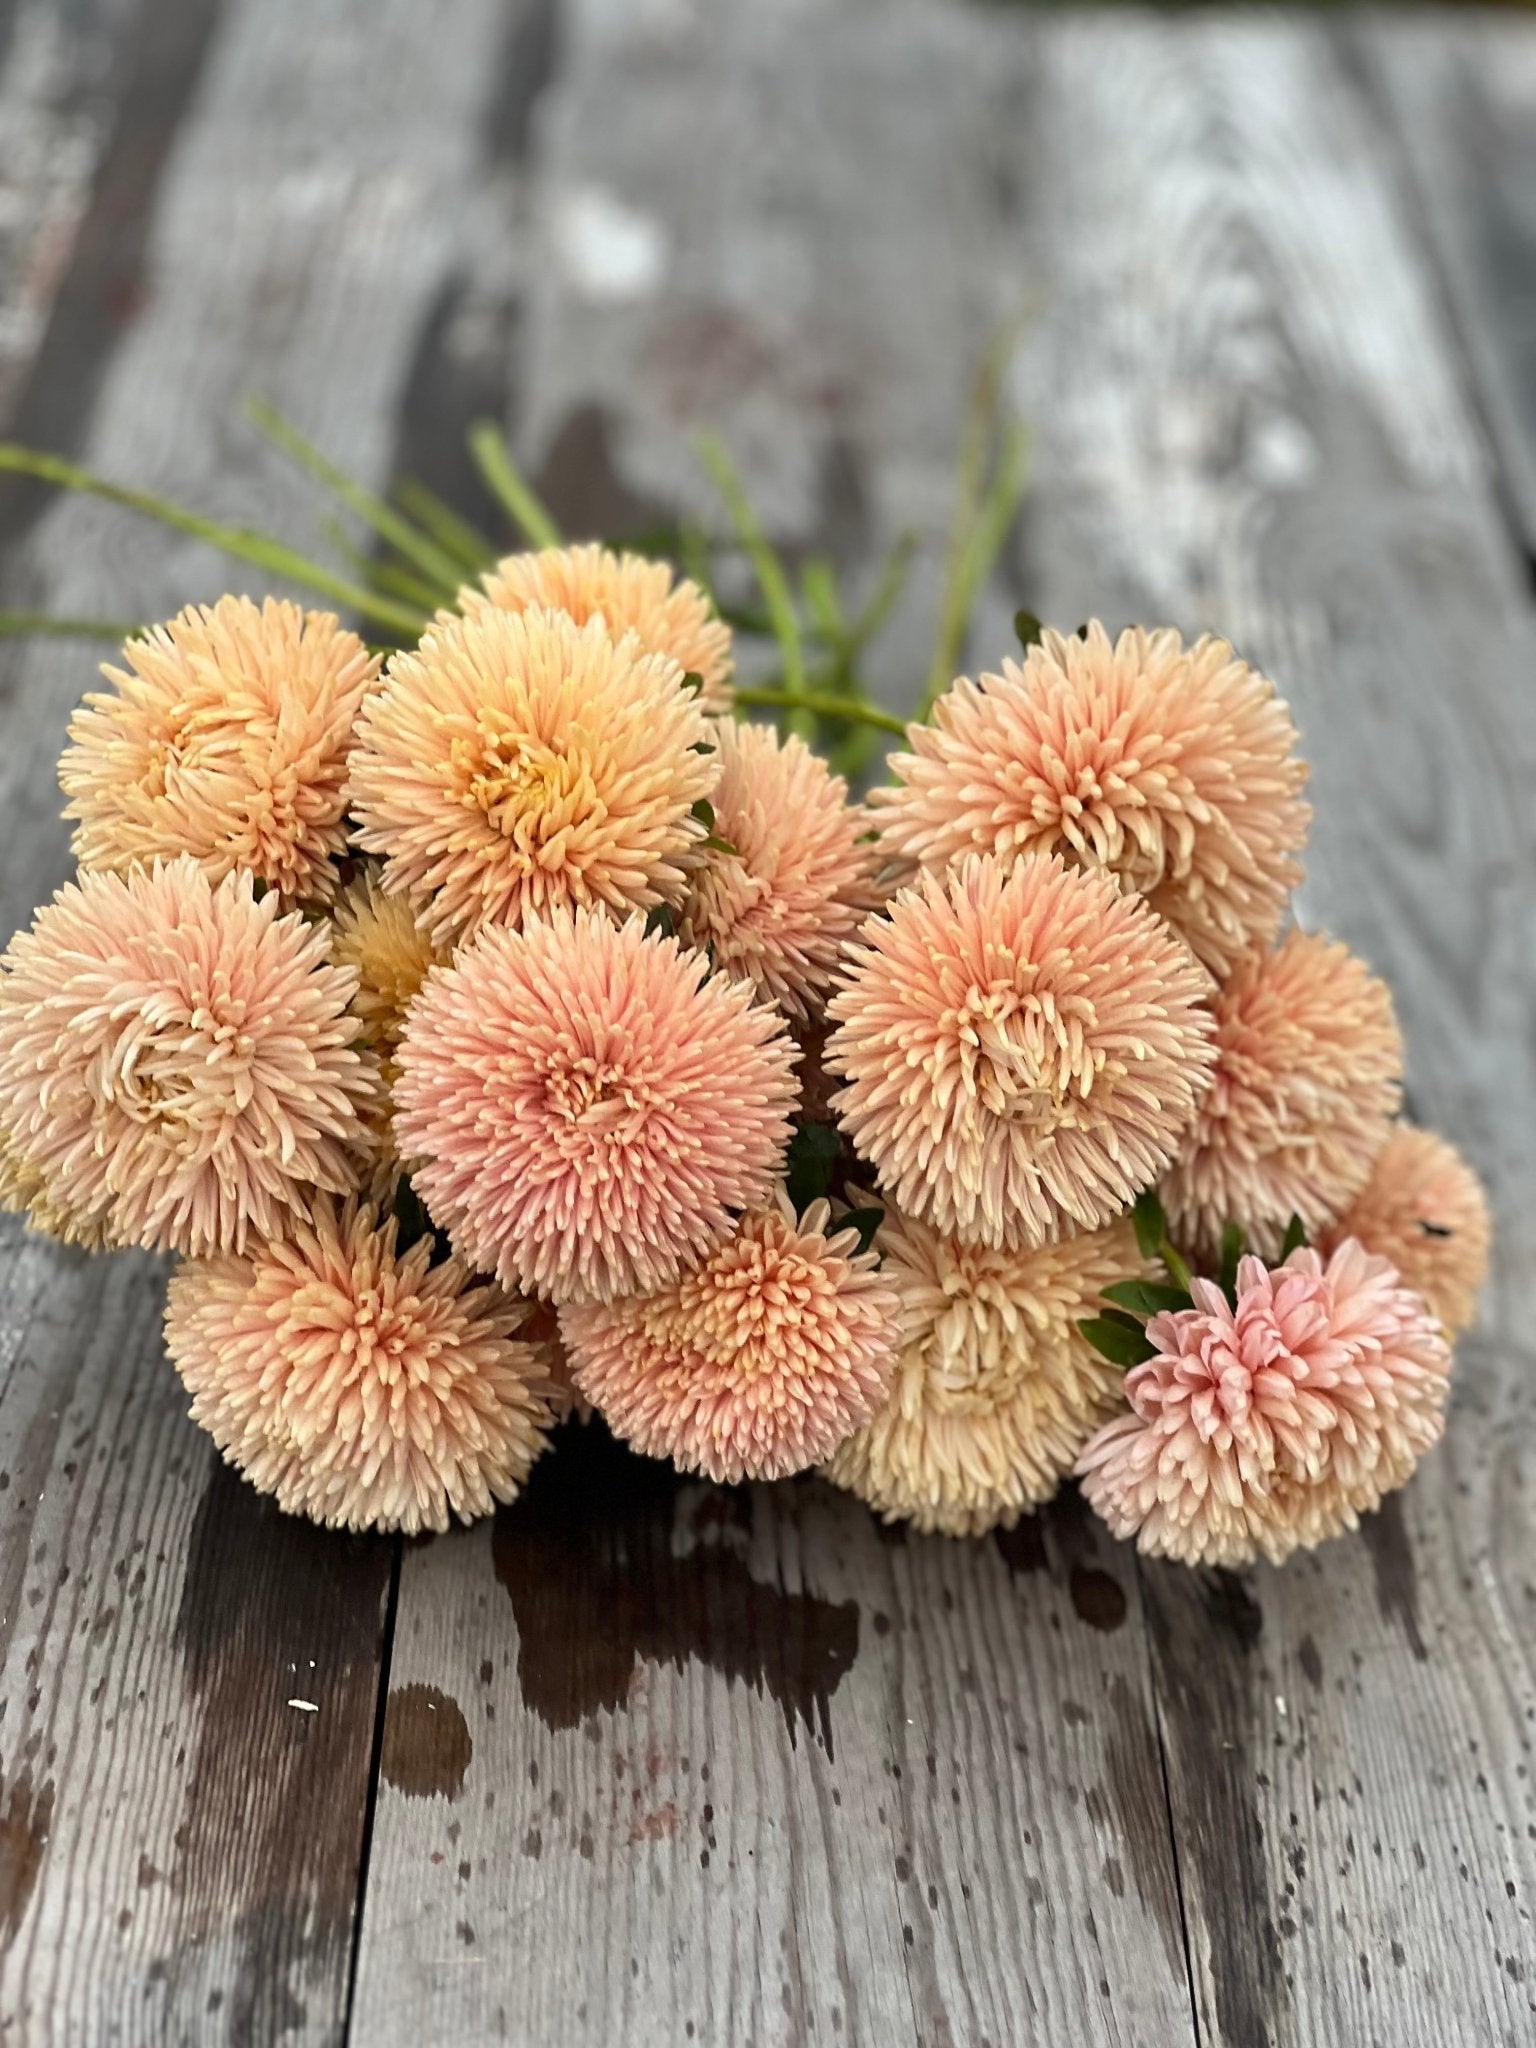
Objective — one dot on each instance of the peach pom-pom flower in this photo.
(778, 907)
(755, 1365)
(1267, 1426)
(1174, 767)
(359, 1384)
(668, 613)
(1308, 1077)
(996, 1388)
(225, 737)
(588, 1106)
(176, 1059)
(517, 763)
(1023, 1050)
(1424, 1209)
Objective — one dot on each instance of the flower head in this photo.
(1423, 1208)
(379, 939)
(518, 763)
(589, 1105)
(996, 1388)
(1308, 1077)
(1173, 767)
(1266, 1426)
(669, 614)
(756, 1364)
(226, 737)
(176, 1059)
(1024, 1050)
(777, 910)
(359, 1384)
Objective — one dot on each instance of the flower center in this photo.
(528, 791)
(1024, 1054)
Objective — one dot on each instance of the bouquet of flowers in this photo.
(506, 1027)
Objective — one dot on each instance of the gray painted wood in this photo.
(1460, 94)
(934, 1809)
(276, 207)
(1252, 414)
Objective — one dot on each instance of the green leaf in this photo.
(825, 707)
(661, 922)
(1233, 1245)
(241, 542)
(693, 681)
(865, 1221)
(1122, 1343)
(1147, 1297)
(410, 1214)
(1177, 1265)
(715, 844)
(1150, 1223)
(1295, 1237)
(812, 1154)
(509, 487)
(818, 585)
(470, 548)
(704, 811)
(37, 625)
(1028, 628)
(769, 571)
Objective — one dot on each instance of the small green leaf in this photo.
(701, 747)
(1295, 1237)
(1233, 1245)
(1122, 1343)
(865, 1221)
(808, 1165)
(1151, 1224)
(1147, 1297)
(715, 844)
(1028, 628)
(693, 681)
(410, 1214)
(1177, 1265)
(661, 921)
(704, 811)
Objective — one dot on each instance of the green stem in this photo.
(851, 708)
(771, 578)
(33, 625)
(510, 488)
(244, 544)
(423, 553)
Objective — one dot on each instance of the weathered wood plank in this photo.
(1460, 93)
(662, 1761)
(1250, 417)
(182, 1833)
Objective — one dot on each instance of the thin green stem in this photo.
(852, 708)
(242, 542)
(769, 571)
(459, 537)
(31, 625)
(420, 550)
(509, 487)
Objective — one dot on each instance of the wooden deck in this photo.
(648, 1762)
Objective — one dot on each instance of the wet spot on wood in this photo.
(1231, 1607)
(613, 1560)
(1133, 1783)
(1022, 1548)
(1311, 1663)
(1096, 1597)
(427, 1746)
(26, 1816)
(1396, 1574)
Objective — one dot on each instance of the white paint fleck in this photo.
(612, 253)
(1280, 1707)
(305, 1706)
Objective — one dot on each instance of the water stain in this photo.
(1022, 1548)
(1232, 1608)
(1133, 1780)
(26, 1818)
(1396, 1574)
(427, 1745)
(1062, 1538)
(1097, 1598)
(613, 1560)
(1311, 1662)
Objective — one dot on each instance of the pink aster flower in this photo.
(1174, 767)
(517, 764)
(1266, 1427)
(359, 1384)
(1309, 1067)
(756, 1364)
(177, 1060)
(225, 737)
(1023, 1049)
(1424, 1209)
(777, 910)
(589, 1106)
(669, 614)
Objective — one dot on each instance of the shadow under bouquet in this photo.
(506, 1027)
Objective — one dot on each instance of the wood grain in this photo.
(189, 1694)
(1252, 416)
